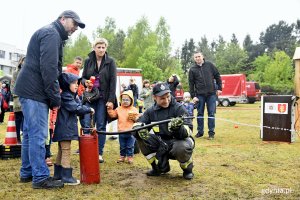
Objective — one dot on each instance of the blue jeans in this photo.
(126, 144)
(35, 132)
(210, 101)
(85, 121)
(99, 118)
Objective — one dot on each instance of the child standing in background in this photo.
(66, 128)
(126, 115)
(188, 104)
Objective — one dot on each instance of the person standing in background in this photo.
(173, 81)
(103, 67)
(202, 77)
(17, 105)
(135, 90)
(38, 89)
(146, 94)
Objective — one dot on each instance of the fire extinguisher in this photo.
(89, 158)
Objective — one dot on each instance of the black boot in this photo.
(154, 171)
(188, 172)
(67, 177)
(57, 172)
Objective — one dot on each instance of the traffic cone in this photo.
(11, 134)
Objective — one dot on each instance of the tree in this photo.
(149, 68)
(279, 37)
(163, 44)
(234, 40)
(187, 53)
(139, 38)
(206, 50)
(80, 47)
(279, 73)
(253, 51)
(231, 59)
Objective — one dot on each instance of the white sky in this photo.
(186, 18)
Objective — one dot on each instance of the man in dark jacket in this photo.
(38, 89)
(170, 141)
(202, 77)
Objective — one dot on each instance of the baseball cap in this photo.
(74, 16)
(160, 89)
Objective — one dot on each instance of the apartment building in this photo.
(9, 57)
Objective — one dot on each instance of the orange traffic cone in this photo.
(11, 134)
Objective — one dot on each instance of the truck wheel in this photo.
(232, 103)
(225, 103)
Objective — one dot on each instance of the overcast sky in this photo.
(186, 19)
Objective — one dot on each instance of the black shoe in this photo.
(26, 180)
(188, 175)
(211, 135)
(188, 172)
(154, 171)
(113, 137)
(198, 135)
(48, 183)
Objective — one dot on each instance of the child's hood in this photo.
(65, 79)
(130, 94)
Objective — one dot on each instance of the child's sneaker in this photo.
(130, 159)
(121, 159)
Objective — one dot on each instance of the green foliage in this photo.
(147, 62)
(187, 54)
(279, 36)
(80, 47)
(275, 73)
(231, 59)
(207, 51)
(139, 38)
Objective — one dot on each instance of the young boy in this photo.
(66, 128)
(126, 115)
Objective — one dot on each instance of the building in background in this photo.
(9, 57)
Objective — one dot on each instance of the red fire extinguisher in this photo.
(89, 158)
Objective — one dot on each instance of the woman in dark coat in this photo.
(103, 67)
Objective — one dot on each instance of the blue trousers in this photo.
(210, 101)
(126, 144)
(100, 119)
(35, 132)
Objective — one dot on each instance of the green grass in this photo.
(236, 165)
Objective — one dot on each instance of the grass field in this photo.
(236, 165)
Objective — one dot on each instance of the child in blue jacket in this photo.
(66, 128)
(188, 104)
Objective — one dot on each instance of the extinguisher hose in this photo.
(139, 128)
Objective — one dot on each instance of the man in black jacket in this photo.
(202, 77)
(38, 89)
(170, 141)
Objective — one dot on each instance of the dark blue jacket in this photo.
(66, 127)
(38, 77)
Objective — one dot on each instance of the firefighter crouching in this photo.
(171, 140)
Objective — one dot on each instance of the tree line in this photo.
(268, 61)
